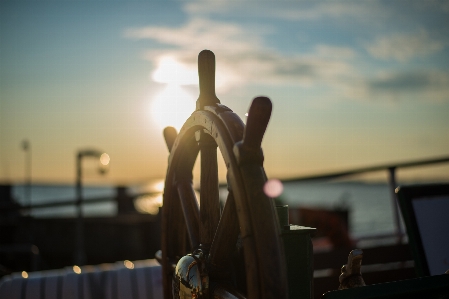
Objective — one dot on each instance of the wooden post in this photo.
(206, 74)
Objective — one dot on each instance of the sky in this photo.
(353, 83)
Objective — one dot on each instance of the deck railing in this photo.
(392, 182)
(389, 168)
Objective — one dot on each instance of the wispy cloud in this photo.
(199, 33)
(399, 86)
(403, 47)
(244, 57)
(247, 55)
(425, 85)
(293, 11)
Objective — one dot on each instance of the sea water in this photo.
(371, 208)
(47, 193)
(370, 204)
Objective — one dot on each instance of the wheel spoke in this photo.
(177, 227)
(173, 238)
(209, 195)
(190, 210)
(223, 245)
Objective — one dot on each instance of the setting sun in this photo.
(172, 106)
(171, 71)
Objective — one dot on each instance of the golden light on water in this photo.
(159, 186)
(148, 204)
(24, 274)
(151, 202)
(128, 264)
(77, 269)
(104, 159)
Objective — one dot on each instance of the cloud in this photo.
(198, 33)
(403, 47)
(433, 85)
(417, 85)
(292, 11)
(246, 56)
(335, 52)
(243, 56)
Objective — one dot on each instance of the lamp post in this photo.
(27, 148)
(103, 159)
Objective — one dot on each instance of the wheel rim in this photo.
(247, 211)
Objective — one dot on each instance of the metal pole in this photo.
(394, 201)
(27, 148)
(80, 257)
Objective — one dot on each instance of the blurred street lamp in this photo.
(103, 160)
(27, 148)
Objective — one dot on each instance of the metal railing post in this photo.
(394, 201)
(80, 256)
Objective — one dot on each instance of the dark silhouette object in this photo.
(351, 277)
(332, 224)
(79, 252)
(188, 228)
(125, 203)
(9, 214)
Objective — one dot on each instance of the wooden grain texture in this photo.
(212, 125)
(258, 117)
(224, 243)
(170, 135)
(209, 193)
(178, 229)
(190, 210)
(206, 74)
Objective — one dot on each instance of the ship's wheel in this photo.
(209, 252)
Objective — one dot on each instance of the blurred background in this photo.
(353, 85)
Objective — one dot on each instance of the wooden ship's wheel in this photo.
(209, 252)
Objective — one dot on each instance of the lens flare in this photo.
(273, 188)
(77, 269)
(128, 264)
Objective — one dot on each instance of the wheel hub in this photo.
(190, 279)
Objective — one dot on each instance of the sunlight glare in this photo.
(172, 107)
(171, 71)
